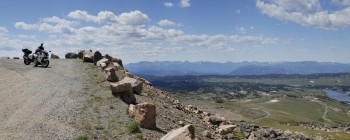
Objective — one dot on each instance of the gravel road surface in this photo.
(38, 103)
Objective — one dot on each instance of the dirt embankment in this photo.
(38, 103)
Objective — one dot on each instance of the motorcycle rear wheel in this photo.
(26, 61)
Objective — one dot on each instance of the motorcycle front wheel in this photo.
(45, 63)
(26, 61)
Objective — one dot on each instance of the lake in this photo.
(339, 96)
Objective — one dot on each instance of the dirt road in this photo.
(38, 103)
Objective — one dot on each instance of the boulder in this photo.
(71, 55)
(213, 120)
(88, 56)
(184, 133)
(15, 57)
(225, 129)
(145, 114)
(135, 84)
(97, 57)
(252, 136)
(108, 57)
(103, 60)
(81, 54)
(131, 110)
(118, 87)
(119, 61)
(110, 74)
(124, 91)
(53, 56)
(103, 66)
(207, 134)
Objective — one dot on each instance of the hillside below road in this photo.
(38, 103)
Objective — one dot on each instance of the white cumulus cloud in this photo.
(306, 12)
(130, 18)
(166, 22)
(128, 36)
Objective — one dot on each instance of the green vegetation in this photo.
(99, 127)
(280, 101)
(83, 137)
(139, 135)
(239, 134)
(134, 127)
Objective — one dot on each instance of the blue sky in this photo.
(179, 30)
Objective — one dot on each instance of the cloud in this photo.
(307, 13)
(133, 18)
(130, 18)
(168, 4)
(58, 28)
(60, 21)
(129, 36)
(185, 3)
(341, 2)
(3, 31)
(166, 22)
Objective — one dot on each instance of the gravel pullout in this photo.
(38, 103)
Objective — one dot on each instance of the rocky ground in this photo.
(38, 103)
(73, 100)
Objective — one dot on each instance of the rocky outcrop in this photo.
(124, 91)
(124, 84)
(54, 56)
(184, 133)
(213, 120)
(135, 84)
(81, 54)
(119, 61)
(145, 114)
(88, 56)
(71, 55)
(225, 129)
(15, 57)
(102, 61)
(97, 57)
(110, 74)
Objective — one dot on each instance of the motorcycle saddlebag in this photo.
(26, 51)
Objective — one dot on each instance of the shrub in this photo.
(134, 127)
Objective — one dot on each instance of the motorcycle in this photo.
(28, 57)
(42, 59)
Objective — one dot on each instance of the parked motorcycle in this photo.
(42, 59)
(28, 57)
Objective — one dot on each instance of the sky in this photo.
(181, 30)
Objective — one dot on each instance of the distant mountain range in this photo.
(173, 68)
